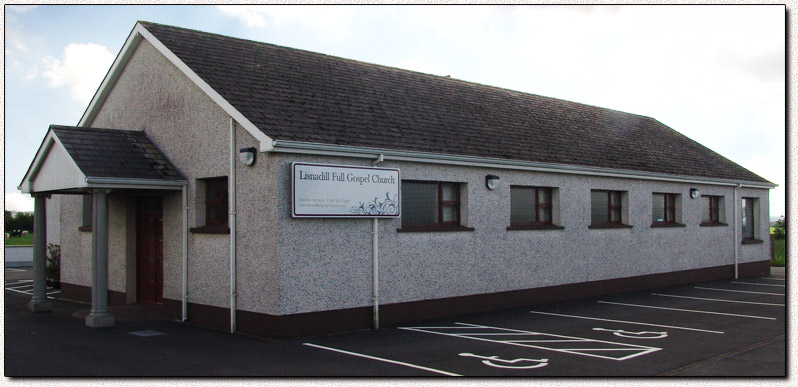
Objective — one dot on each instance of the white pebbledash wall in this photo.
(288, 266)
(326, 263)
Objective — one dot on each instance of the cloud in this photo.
(17, 201)
(81, 69)
(325, 20)
(251, 15)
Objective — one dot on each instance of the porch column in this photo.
(39, 301)
(99, 317)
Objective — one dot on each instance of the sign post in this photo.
(338, 191)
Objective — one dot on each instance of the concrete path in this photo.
(19, 256)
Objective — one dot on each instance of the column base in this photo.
(100, 321)
(40, 306)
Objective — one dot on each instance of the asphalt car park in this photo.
(720, 328)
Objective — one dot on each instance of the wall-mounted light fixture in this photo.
(492, 181)
(695, 193)
(247, 155)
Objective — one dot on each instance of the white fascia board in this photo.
(111, 77)
(263, 139)
(121, 61)
(126, 183)
(486, 162)
(50, 140)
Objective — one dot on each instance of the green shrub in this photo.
(53, 270)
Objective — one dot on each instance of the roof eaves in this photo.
(478, 161)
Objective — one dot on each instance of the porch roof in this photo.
(75, 159)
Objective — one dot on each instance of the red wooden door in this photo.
(149, 250)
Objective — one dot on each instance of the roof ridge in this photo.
(445, 78)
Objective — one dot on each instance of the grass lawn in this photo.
(20, 241)
(778, 253)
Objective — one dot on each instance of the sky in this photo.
(714, 73)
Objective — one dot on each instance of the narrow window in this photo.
(530, 206)
(216, 202)
(605, 207)
(88, 212)
(748, 218)
(430, 204)
(710, 209)
(664, 208)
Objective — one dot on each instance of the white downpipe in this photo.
(185, 253)
(375, 260)
(737, 232)
(232, 221)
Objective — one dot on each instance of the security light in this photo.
(492, 181)
(247, 156)
(694, 193)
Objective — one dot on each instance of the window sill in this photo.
(666, 225)
(434, 228)
(609, 225)
(751, 241)
(713, 224)
(84, 228)
(209, 230)
(535, 227)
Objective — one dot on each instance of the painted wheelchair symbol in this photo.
(508, 364)
(634, 335)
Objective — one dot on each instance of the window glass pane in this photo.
(449, 193)
(615, 198)
(748, 218)
(545, 215)
(419, 203)
(598, 207)
(87, 210)
(715, 210)
(212, 215)
(543, 195)
(615, 215)
(522, 205)
(705, 217)
(449, 214)
(658, 206)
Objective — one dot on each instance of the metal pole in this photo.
(232, 221)
(375, 256)
(185, 253)
(375, 261)
(38, 302)
(737, 232)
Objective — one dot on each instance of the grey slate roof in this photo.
(116, 154)
(298, 95)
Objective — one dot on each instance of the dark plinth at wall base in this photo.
(82, 294)
(271, 326)
(391, 315)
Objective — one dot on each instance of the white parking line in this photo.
(740, 291)
(545, 341)
(755, 283)
(627, 322)
(382, 359)
(20, 270)
(772, 279)
(18, 291)
(687, 310)
(18, 287)
(715, 299)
